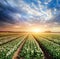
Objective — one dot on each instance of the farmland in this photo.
(29, 45)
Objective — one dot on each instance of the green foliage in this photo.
(31, 49)
(7, 50)
(52, 48)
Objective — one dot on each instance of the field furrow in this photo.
(7, 50)
(53, 40)
(31, 50)
(30, 46)
(16, 54)
(52, 48)
(9, 39)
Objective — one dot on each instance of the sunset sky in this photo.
(25, 15)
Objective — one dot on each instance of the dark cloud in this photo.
(8, 11)
(55, 21)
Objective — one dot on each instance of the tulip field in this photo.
(29, 45)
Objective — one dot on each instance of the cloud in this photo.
(23, 12)
(56, 19)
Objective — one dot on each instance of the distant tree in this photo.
(47, 31)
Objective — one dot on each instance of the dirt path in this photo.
(47, 55)
(16, 54)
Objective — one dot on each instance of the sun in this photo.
(36, 30)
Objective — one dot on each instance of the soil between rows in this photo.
(46, 53)
(16, 54)
(50, 40)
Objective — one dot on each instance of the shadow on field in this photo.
(46, 53)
